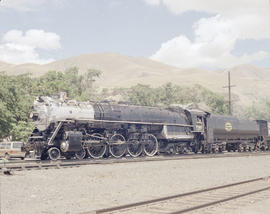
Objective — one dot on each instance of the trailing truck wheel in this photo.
(150, 145)
(134, 148)
(98, 149)
(54, 153)
(117, 145)
(80, 154)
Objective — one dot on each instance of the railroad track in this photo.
(195, 201)
(37, 164)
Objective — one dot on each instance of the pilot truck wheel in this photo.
(54, 153)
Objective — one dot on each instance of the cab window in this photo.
(199, 123)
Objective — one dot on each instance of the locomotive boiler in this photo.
(73, 129)
(78, 129)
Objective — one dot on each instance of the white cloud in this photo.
(27, 5)
(212, 47)
(33, 38)
(153, 2)
(216, 36)
(18, 47)
(251, 17)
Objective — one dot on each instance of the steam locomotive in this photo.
(73, 129)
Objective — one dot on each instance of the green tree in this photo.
(260, 110)
(143, 95)
(168, 94)
(15, 102)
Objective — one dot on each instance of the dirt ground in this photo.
(86, 188)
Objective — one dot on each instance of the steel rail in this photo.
(38, 164)
(127, 207)
(219, 201)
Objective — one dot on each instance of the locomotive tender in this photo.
(80, 129)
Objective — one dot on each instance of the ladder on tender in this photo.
(51, 139)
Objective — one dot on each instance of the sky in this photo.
(187, 34)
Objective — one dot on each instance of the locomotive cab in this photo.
(198, 120)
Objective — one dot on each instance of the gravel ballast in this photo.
(86, 188)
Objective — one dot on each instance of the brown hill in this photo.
(124, 71)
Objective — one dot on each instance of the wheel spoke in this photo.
(117, 145)
(134, 148)
(96, 150)
(150, 145)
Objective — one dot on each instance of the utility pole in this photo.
(229, 90)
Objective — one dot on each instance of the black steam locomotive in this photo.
(80, 129)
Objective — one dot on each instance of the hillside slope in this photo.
(124, 71)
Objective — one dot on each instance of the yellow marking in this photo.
(228, 127)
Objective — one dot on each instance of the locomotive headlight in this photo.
(64, 146)
(33, 116)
